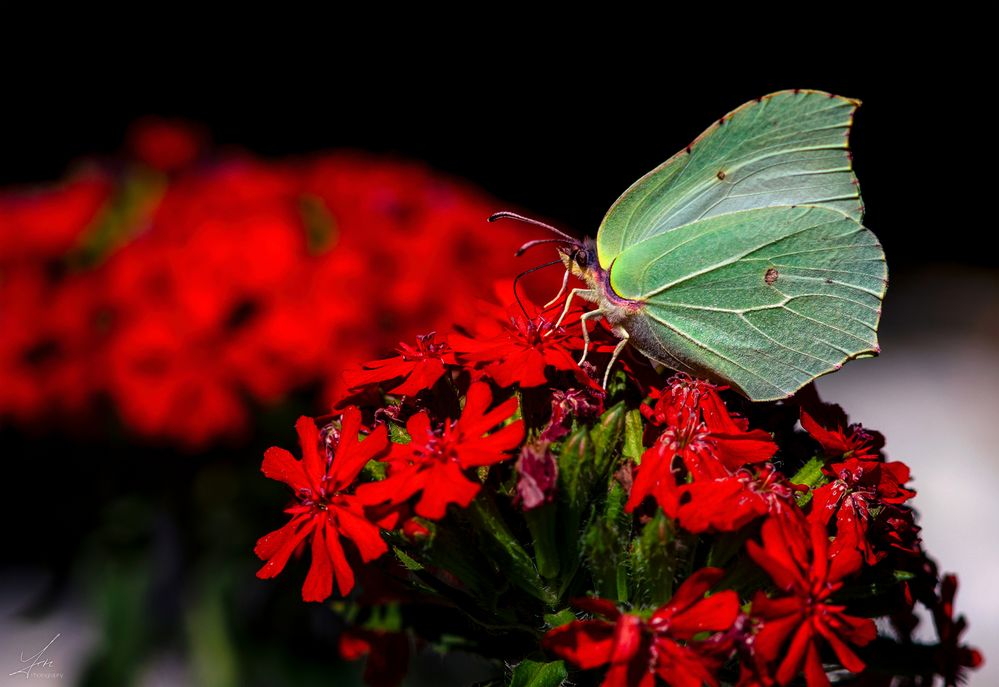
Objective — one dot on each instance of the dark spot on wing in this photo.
(721, 175)
(771, 276)
(829, 281)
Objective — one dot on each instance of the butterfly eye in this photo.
(582, 259)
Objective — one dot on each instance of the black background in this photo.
(555, 120)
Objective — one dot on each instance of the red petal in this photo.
(849, 659)
(815, 674)
(681, 666)
(584, 643)
(716, 613)
(655, 478)
(377, 371)
(736, 450)
(445, 485)
(344, 575)
(353, 454)
(493, 448)
(366, 536)
(796, 654)
(424, 375)
(280, 465)
(630, 657)
(353, 646)
(269, 544)
(319, 582)
(723, 505)
(312, 464)
(596, 606)
(785, 579)
(275, 564)
(395, 488)
(771, 637)
(833, 442)
(694, 588)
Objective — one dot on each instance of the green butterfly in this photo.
(742, 258)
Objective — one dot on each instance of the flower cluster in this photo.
(188, 286)
(677, 535)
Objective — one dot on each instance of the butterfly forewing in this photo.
(788, 148)
(764, 299)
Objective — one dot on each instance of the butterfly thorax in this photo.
(581, 261)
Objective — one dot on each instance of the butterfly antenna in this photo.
(538, 242)
(524, 274)
(538, 223)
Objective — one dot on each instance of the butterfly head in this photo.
(580, 258)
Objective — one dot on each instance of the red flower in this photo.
(712, 446)
(434, 462)
(827, 424)
(419, 367)
(165, 145)
(638, 649)
(569, 405)
(728, 504)
(537, 476)
(387, 652)
(797, 557)
(324, 510)
(858, 487)
(951, 658)
(510, 348)
(45, 223)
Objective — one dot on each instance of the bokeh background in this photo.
(172, 297)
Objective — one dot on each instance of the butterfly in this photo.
(741, 259)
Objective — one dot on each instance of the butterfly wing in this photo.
(764, 299)
(787, 148)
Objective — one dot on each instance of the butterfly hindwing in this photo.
(765, 299)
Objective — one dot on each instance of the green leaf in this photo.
(538, 674)
(811, 476)
(128, 209)
(407, 561)
(653, 562)
(633, 432)
(498, 540)
(787, 148)
(765, 300)
(542, 523)
(320, 227)
(398, 433)
(575, 460)
(561, 618)
(605, 544)
(607, 435)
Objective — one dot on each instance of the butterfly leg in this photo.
(586, 334)
(618, 331)
(565, 284)
(588, 294)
